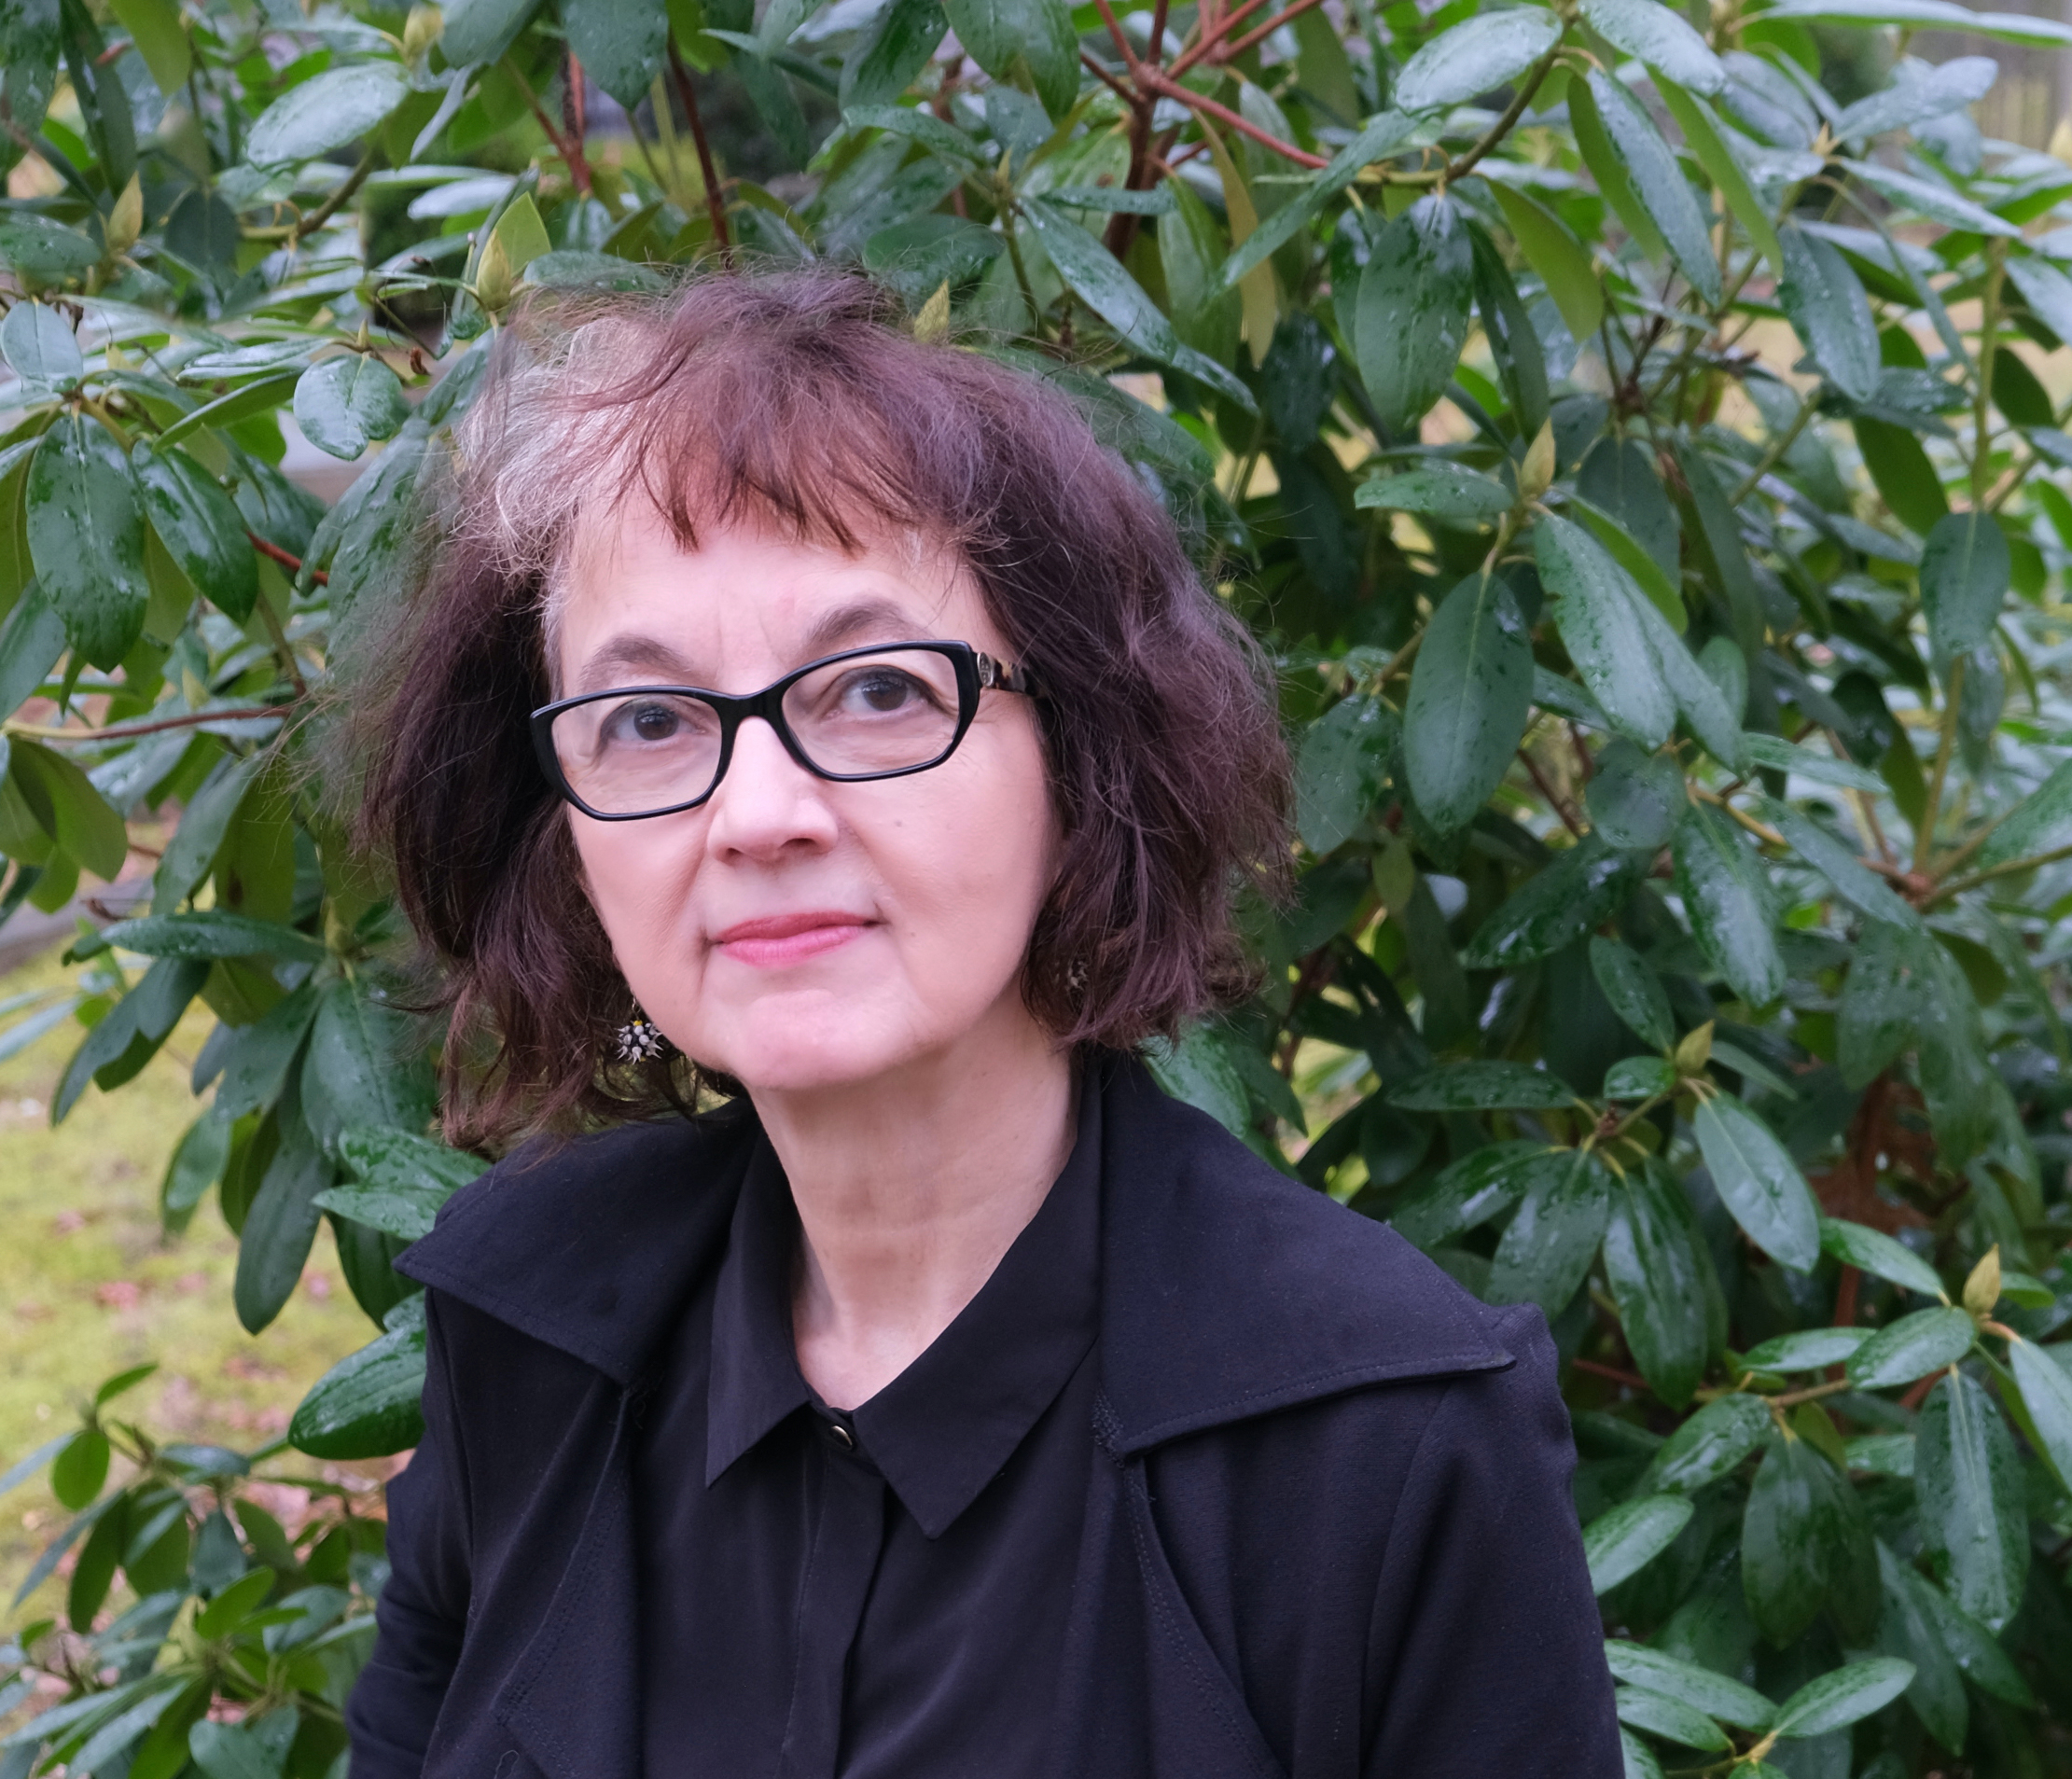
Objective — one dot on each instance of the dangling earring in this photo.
(640, 1041)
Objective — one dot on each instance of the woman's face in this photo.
(792, 932)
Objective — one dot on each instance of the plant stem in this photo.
(1157, 81)
(123, 731)
(1989, 326)
(1924, 838)
(274, 552)
(1774, 454)
(716, 203)
(2012, 868)
(307, 226)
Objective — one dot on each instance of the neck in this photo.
(911, 1187)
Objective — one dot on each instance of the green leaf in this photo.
(344, 404)
(622, 43)
(2047, 1393)
(1868, 892)
(1439, 490)
(325, 112)
(31, 641)
(1640, 178)
(366, 1405)
(1965, 572)
(1604, 634)
(1634, 801)
(481, 30)
(1581, 890)
(256, 1063)
(1791, 1538)
(1414, 300)
(2045, 289)
(1727, 899)
(192, 850)
(1910, 1348)
(1924, 198)
(1712, 1444)
(1547, 1245)
(1844, 1697)
(1635, 504)
(1035, 36)
(1936, 14)
(80, 819)
(1096, 277)
(79, 1470)
(1700, 703)
(1200, 1072)
(1700, 1687)
(1653, 1261)
(1626, 1540)
(1759, 1182)
(923, 126)
(1877, 1254)
(154, 26)
(1475, 56)
(1825, 303)
(1513, 341)
(886, 61)
(1483, 1087)
(1380, 136)
(1904, 476)
(211, 933)
(40, 345)
(1640, 1077)
(1701, 135)
(1467, 1192)
(1652, 32)
(200, 528)
(396, 1160)
(1562, 262)
(1671, 1718)
(401, 1211)
(1339, 773)
(362, 1068)
(43, 250)
(1629, 982)
(1881, 999)
(1978, 1655)
(231, 1751)
(1809, 1350)
(1970, 1500)
(86, 537)
(281, 1225)
(23, 1469)
(1470, 696)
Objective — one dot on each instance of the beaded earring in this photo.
(640, 1041)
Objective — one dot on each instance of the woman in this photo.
(812, 715)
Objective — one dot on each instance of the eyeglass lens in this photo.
(869, 713)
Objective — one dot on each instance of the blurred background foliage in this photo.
(1638, 434)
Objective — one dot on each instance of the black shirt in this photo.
(881, 1594)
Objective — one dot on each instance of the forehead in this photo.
(747, 604)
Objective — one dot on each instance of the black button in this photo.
(842, 1436)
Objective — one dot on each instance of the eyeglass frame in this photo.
(977, 673)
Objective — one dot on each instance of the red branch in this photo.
(123, 731)
(715, 202)
(292, 564)
(1617, 1376)
(1160, 82)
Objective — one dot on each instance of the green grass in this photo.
(90, 1284)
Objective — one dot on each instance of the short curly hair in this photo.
(797, 402)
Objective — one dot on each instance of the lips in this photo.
(772, 940)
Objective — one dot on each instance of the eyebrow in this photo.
(861, 620)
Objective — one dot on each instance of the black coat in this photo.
(1328, 1525)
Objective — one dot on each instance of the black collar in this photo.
(1227, 1291)
(946, 1426)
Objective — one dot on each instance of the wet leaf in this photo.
(1469, 698)
(1414, 298)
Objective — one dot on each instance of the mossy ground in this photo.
(90, 1284)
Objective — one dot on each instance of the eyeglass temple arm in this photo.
(1001, 676)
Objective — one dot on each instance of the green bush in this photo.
(1632, 433)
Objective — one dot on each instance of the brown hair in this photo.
(793, 401)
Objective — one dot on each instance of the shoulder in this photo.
(1244, 1291)
(589, 1245)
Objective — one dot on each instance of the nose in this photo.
(768, 806)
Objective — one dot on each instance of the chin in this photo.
(800, 1051)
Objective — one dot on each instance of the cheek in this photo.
(633, 878)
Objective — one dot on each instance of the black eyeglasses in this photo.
(867, 713)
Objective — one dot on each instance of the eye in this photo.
(654, 722)
(883, 690)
